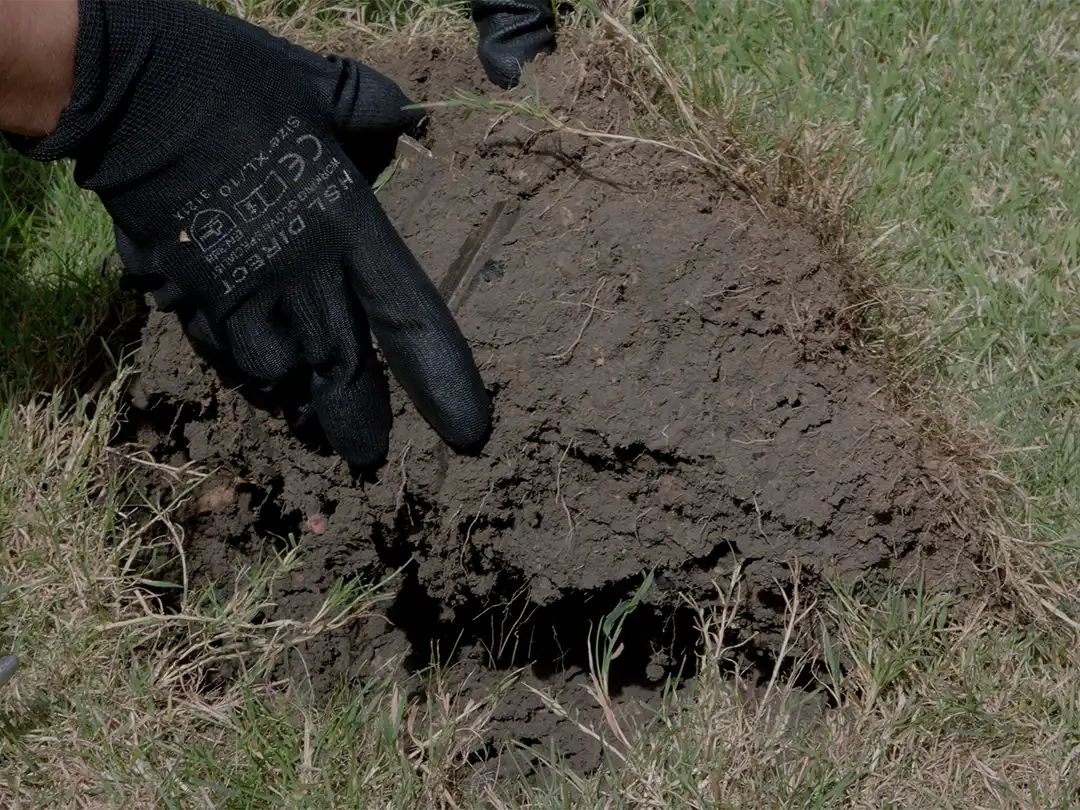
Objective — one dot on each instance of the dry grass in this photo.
(116, 703)
(937, 704)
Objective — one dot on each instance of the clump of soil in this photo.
(675, 390)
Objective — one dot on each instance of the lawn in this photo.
(934, 145)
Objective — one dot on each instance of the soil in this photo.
(676, 389)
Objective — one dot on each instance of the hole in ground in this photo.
(274, 523)
(657, 641)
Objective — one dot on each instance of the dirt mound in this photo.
(675, 390)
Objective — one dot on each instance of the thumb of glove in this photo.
(370, 113)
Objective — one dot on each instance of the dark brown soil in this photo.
(675, 387)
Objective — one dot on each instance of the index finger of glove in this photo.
(416, 331)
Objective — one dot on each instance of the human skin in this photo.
(37, 63)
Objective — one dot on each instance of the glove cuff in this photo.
(96, 92)
(134, 101)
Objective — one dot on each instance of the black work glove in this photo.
(237, 170)
(512, 33)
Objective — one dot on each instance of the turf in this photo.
(935, 141)
(947, 131)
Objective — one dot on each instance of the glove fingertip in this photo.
(362, 449)
(365, 457)
(467, 424)
(355, 415)
(453, 400)
(416, 122)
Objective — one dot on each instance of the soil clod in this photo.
(675, 391)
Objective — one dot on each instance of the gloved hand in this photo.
(237, 170)
(512, 33)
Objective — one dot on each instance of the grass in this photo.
(944, 134)
(932, 141)
(53, 298)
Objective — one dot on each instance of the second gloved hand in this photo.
(237, 168)
(512, 33)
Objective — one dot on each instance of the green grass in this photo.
(54, 298)
(936, 143)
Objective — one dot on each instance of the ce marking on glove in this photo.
(264, 207)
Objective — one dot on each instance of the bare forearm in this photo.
(37, 63)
